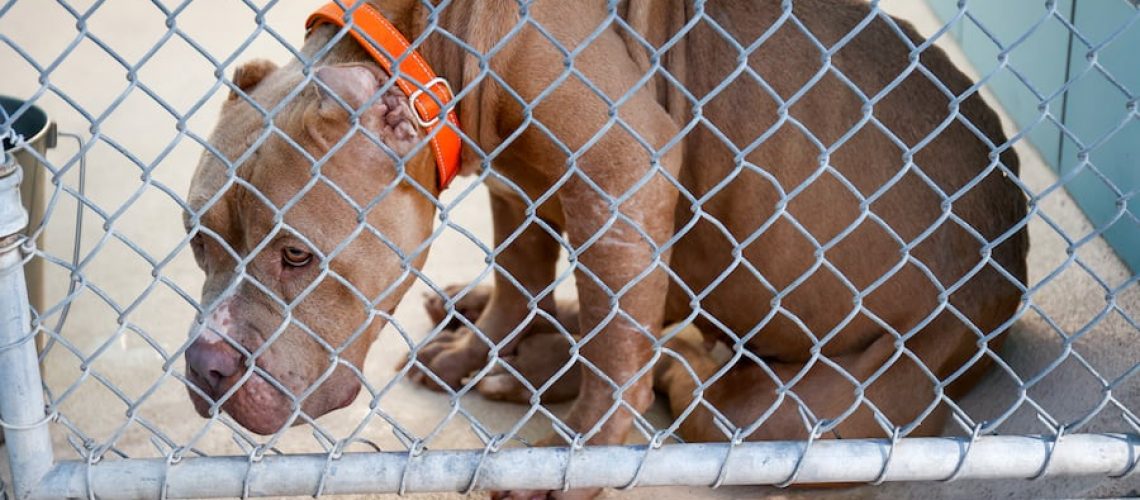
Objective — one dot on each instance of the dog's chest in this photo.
(508, 187)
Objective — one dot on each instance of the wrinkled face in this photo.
(301, 263)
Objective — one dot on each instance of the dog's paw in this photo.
(538, 358)
(451, 357)
(577, 494)
(470, 305)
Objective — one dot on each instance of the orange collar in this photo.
(414, 76)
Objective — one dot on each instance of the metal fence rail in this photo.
(864, 461)
(87, 322)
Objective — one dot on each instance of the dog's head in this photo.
(302, 262)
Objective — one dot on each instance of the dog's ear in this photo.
(354, 84)
(248, 75)
(388, 116)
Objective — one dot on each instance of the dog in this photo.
(839, 209)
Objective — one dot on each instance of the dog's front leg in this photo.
(618, 255)
(621, 292)
(525, 267)
(611, 159)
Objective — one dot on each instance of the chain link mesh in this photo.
(122, 288)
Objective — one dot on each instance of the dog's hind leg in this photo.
(779, 396)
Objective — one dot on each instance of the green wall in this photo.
(1080, 112)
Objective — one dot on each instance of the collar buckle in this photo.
(415, 95)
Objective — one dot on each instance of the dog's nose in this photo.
(213, 362)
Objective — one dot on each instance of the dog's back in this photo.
(830, 117)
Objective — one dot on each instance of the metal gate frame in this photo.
(37, 475)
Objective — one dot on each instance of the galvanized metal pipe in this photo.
(21, 391)
(918, 459)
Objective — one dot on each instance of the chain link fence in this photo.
(97, 366)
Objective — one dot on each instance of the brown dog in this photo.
(856, 256)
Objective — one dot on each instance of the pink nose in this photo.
(213, 362)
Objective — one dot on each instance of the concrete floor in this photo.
(141, 209)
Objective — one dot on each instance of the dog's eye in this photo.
(295, 257)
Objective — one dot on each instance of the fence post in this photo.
(21, 391)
